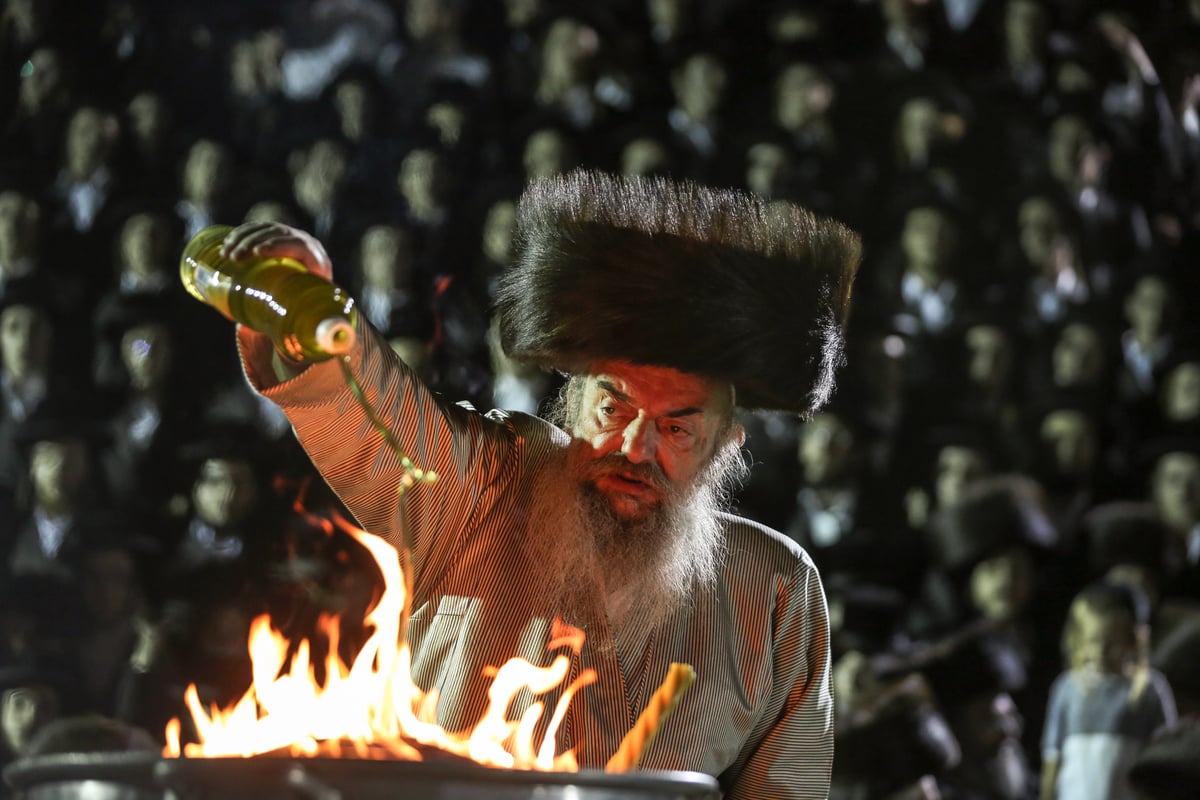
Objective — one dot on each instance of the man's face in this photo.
(646, 432)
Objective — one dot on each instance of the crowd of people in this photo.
(1003, 498)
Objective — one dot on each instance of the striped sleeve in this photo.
(460, 445)
(793, 759)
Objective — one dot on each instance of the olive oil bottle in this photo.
(307, 317)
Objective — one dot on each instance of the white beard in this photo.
(640, 572)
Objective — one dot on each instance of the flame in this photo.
(372, 708)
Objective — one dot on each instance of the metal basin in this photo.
(146, 776)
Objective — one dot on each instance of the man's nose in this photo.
(640, 440)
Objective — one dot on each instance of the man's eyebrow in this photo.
(613, 390)
(617, 393)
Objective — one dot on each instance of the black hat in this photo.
(63, 415)
(124, 312)
(1177, 655)
(1124, 532)
(994, 515)
(29, 290)
(900, 739)
(228, 439)
(969, 665)
(1168, 768)
(709, 281)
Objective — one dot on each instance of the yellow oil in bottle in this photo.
(307, 317)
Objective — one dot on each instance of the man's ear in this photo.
(738, 434)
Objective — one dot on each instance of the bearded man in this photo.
(670, 305)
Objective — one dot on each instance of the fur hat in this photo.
(709, 281)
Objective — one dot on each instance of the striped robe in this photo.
(760, 715)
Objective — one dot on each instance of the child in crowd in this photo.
(1108, 703)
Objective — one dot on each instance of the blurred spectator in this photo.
(1108, 703)
(60, 445)
(20, 236)
(206, 187)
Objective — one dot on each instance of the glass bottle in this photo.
(307, 317)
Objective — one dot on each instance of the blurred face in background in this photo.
(23, 711)
(1175, 489)
(498, 228)
(1181, 393)
(225, 491)
(90, 137)
(1069, 437)
(57, 469)
(957, 466)
(1146, 306)
(145, 244)
(1065, 145)
(767, 168)
(1002, 586)
(1039, 227)
(1077, 358)
(989, 355)
(802, 94)
(917, 130)
(25, 337)
(547, 153)
(825, 448)
(700, 86)
(1024, 32)
(1104, 642)
(149, 121)
(386, 257)
(205, 172)
(355, 108)
(146, 352)
(928, 240)
(20, 219)
(645, 156)
(42, 82)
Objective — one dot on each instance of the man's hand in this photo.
(276, 240)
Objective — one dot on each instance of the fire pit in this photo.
(143, 776)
